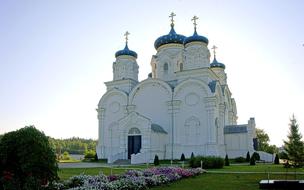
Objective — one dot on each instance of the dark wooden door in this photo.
(134, 145)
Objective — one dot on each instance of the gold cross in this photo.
(171, 16)
(126, 35)
(214, 48)
(194, 20)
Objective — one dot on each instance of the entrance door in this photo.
(134, 145)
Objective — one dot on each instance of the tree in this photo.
(226, 160)
(294, 146)
(182, 157)
(263, 142)
(252, 160)
(276, 159)
(27, 160)
(192, 156)
(248, 157)
(256, 156)
(156, 160)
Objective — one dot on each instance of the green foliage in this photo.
(248, 157)
(256, 156)
(73, 145)
(66, 156)
(27, 160)
(226, 160)
(294, 146)
(192, 155)
(240, 159)
(182, 157)
(156, 160)
(276, 159)
(263, 142)
(90, 154)
(208, 162)
(96, 157)
(252, 160)
(283, 155)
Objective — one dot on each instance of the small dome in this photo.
(126, 51)
(172, 37)
(196, 38)
(216, 64)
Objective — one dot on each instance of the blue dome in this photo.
(126, 51)
(217, 64)
(172, 37)
(196, 38)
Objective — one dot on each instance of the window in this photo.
(181, 66)
(166, 67)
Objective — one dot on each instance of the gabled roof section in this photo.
(158, 129)
(232, 129)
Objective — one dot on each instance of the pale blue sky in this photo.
(56, 54)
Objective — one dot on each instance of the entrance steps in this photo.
(122, 162)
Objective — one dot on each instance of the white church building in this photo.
(184, 105)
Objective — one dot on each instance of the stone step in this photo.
(122, 162)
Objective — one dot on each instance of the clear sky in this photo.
(55, 56)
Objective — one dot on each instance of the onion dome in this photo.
(216, 64)
(172, 37)
(195, 37)
(126, 50)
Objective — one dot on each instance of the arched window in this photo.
(166, 67)
(181, 66)
(134, 131)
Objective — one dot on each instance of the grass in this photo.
(223, 181)
(208, 181)
(258, 168)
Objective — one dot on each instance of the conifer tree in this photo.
(276, 159)
(294, 146)
(248, 157)
(226, 160)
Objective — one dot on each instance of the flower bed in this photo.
(131, 180)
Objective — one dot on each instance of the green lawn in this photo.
(208, 181)
(223, 181)
(258, 168)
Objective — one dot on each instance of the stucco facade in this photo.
(184, 106)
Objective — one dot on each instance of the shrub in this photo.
(252, 160)
(27, 160)
(156, 161)
(66, 156)
(96, 157)
(240, 159)
(256, 156)
(182, 157)
(208, 162)
(226, 160)
(248, 157)
(90, 154)
(276, 159)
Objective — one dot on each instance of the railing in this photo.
(266, 156)
(140, 158)
(115, 157)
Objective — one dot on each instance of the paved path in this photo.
(82, 165)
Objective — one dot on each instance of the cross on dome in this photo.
(126, 36)
(194, 20)
(172, 15)
(214, 50)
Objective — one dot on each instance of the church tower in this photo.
(218, 68)
(197, 54)
(169, 56)
(125, 66)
